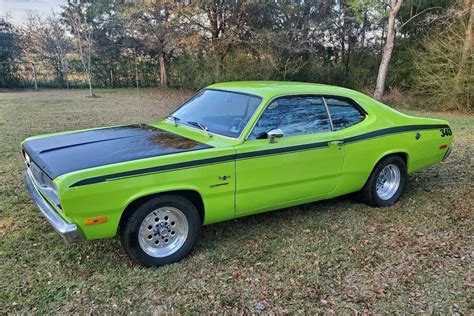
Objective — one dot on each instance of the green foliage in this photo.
(10, 51)
(191, 44)
(242, 65)
(439, 74)
(188, 72)
(196, 72)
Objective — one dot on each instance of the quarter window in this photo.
(294, 116)
(343, 113)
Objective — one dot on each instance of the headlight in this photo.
(27, 159)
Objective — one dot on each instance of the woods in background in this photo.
(421, 47)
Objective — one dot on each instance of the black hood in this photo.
(60, 154)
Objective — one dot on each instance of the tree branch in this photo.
(418, 14)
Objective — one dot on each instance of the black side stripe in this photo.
(149, 170)
(260, 153)
(393, 130)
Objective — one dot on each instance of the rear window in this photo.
(343, 113)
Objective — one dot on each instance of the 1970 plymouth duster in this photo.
(233, 149)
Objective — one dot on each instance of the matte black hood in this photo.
(60, 154)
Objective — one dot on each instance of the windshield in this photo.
(219, 112)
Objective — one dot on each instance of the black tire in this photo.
(130, 226)
(369, 195)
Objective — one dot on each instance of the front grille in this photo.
(44, 183)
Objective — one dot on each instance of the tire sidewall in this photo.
(400, 163)
(130, 230)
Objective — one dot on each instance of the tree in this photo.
(156, 24)
(220, 25)
(291, 34)
(10, 51)
(111, 40)
(45, 41)
(442, 74)
(32, 39)
(56, 46)
(79, 16)
(395, 6)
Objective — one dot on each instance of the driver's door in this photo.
(303, 165)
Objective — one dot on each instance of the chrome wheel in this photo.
(388, 182)
(163, 232)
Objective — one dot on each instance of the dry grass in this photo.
(333, 256)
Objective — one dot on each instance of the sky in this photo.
(17, 10)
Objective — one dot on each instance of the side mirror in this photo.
(274, 134)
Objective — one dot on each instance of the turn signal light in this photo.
(444, 146)
(95, 220)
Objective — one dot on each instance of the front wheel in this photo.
(386, 183)
(162, 230)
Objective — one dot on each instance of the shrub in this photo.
(439, 76)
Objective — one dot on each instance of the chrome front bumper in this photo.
(69, 232)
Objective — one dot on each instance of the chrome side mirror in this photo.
(274, 134)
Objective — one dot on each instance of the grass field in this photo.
(332, 256)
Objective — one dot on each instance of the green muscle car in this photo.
(234, 149)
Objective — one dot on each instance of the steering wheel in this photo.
(238, 122)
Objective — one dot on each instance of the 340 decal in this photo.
(446, 132)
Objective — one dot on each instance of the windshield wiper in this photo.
(201, 126)
(175, 119)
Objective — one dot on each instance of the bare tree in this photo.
(56, 45)
(77, 14)
(32, 38)
(221, 22)
(395, 6)
(46, 44)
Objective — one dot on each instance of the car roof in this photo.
(270, 89)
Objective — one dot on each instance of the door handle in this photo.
(336, 143)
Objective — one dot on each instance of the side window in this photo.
(343, 113)
(294, 116)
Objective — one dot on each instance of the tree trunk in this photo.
(348, 59)
(285, 69)
(89, 80)
(218, 65)
(163, 75)
(467, 47)
(34, 76)
(89, 69)
(136, 73)
(364, 27)
(111, 78)
(469, 4)
(387, 50)
(382, 38)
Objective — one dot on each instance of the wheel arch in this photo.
(366, 194)
(191, 194)
(402, 153)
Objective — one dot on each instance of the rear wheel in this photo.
(386, 183)
(162, 230)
